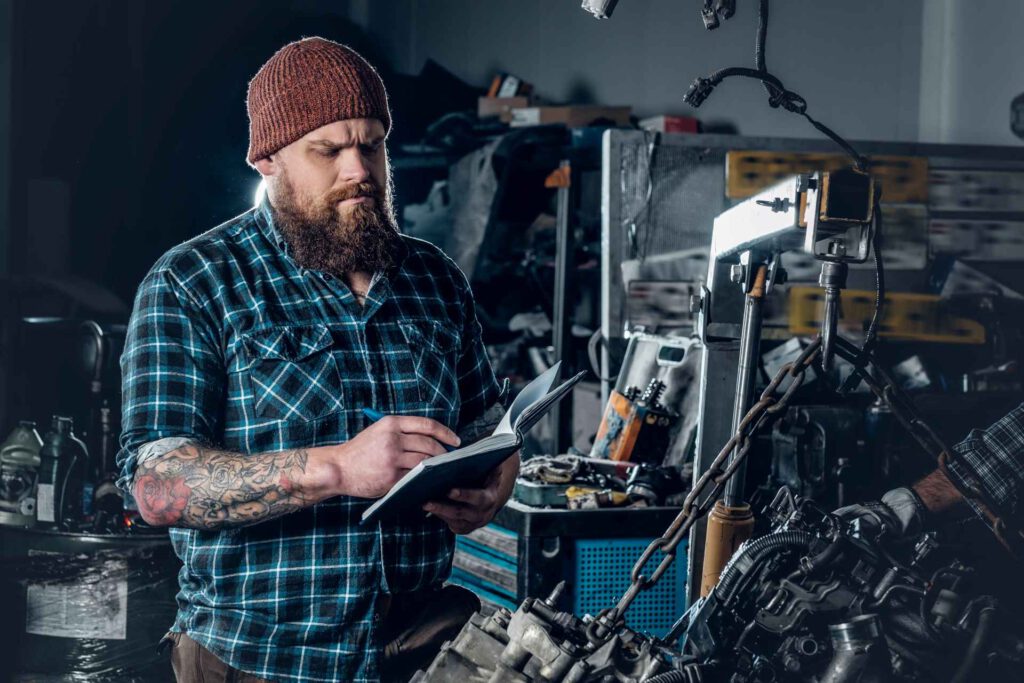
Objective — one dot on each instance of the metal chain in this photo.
(707, 488)
(701, 499)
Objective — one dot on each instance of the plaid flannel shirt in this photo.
(233, 344)
(996, 455)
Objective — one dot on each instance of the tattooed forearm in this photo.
(202, 488)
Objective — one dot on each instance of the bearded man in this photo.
(251, 353)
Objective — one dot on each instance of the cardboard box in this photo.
(670, 124)
(490, 107)
(574, 116)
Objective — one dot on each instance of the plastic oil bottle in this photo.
(62, 472)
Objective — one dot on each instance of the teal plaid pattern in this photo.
(996, 455)
(233, 344)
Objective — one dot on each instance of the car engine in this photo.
(816, 599)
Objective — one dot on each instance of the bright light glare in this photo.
(261, 191)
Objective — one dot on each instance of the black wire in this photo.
(871, 336)
(779, 96)
(761, 40)
(876, 246)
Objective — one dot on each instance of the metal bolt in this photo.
(777, 205)
(736, 273)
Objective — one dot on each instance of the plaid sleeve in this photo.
(478, 387)
(996, 456)
(173, 378)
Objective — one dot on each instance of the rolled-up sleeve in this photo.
(996, 456)
(173, 379)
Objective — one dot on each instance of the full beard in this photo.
(325, 237)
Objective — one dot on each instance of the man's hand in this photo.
(372, 462)
(899, 513)
(466, 510)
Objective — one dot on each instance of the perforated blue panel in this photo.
(602, 575)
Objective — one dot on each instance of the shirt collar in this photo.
(265, 219)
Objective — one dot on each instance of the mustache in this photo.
(365, 189)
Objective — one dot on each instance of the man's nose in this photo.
(354, 167)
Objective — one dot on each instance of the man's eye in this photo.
(370, 150)
(329, 153)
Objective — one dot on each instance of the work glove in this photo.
(900, 513)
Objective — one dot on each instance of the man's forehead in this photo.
(346, 131)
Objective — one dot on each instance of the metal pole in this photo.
(561, 335)
(746, 375)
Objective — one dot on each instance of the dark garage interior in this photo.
(548, 340)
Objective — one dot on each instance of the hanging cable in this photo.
(780, 96)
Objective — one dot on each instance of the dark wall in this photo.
(129, 125)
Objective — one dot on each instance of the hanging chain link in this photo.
(708, 487)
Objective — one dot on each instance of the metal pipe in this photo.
(561, 333)
(746, 375)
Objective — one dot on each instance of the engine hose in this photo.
(688, 674)
(755, 551)
(986, 619)
(813, 564)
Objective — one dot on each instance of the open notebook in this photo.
(470, 465)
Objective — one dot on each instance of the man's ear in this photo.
(266, 166)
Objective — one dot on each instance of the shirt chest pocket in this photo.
(435, 353)
(293, 372)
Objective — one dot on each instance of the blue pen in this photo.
(376, 415)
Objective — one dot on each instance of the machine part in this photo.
(700, 500)
(912, 374)
(652, 356)
(635, 426)
(674, 361)
(908, 316)
(582, 498)
(810, 601)
(810, 456)
(19, 468)
(746, 372)
(833, 279)
(859, 652)
(540, 495)
(815, 601)
(652, 394)
(728, 528)
(543, 480)
(601, 9)
(840, 216)
(705, 491)
(715, 11)
(653, 485)
(538, 643)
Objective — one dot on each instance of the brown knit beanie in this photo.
(308, 84)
